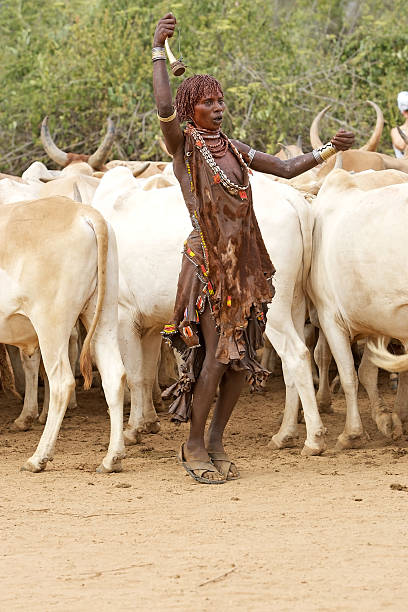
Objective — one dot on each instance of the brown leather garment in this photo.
(225, 267)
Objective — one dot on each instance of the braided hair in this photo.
(191, 91)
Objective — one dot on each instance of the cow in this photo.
(357, 280)
(47, 247)
(151, 223)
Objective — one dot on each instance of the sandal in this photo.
(223, 464)
(196, 469)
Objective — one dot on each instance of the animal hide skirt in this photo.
(195, 293)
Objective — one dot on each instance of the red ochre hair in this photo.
(191, 91)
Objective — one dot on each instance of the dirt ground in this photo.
(294, 533)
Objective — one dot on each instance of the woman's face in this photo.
(209, 110)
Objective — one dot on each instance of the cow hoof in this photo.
(390, 425)
(114, 467)
(308, 451)
(132, 436)
(34, 465)
(284, 442)
(347, 441)
(152, 428)
(23, 424)
(43, 418)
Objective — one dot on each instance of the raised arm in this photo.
(263, 162)
(173, 136)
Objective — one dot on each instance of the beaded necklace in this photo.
(219, 175)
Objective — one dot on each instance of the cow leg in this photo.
(19, 377)
(268, 358)
(106, 354)
(143, 417)
(285, 335)
(29, 413)
(140, 356)
(388, 422)
(156, 392)
(353, 435)
(401, 400)
(287, 435)
(323, 357)
(310, 341)
(73, 356)
(54, 351)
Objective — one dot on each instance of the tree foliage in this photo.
(279, 62)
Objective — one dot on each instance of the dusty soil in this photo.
(320, 533)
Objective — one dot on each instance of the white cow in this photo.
(47, 247)
(151, 224)
(358, 280)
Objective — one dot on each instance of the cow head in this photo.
(371, 144)
(96, 160)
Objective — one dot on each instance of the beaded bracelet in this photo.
(324, 152)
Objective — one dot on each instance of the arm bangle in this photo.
(251, 155)
(166, 119)
(324, 152)
(158, 53)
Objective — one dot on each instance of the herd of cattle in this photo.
(101, 243)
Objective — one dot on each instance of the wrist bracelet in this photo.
(324, 152)
(166, 119)
(158, 53)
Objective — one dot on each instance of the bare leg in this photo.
(204, 394)
(229, 392)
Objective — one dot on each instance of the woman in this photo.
(225, 282)
(398, 142)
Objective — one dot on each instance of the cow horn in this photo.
(177, 66)
(53, 152)
(372, 143)
(77, 193)
(97, 159)
(140, 169)
(403, 136)
(299, 142)
(339, 160)
(314, 129)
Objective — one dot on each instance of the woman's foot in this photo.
(222, 462)
(199, 466)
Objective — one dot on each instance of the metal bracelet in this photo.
(326, 151)
(158, 53)
(317, 156)
(166, 119)
(251, 155)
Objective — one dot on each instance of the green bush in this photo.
(279, 62)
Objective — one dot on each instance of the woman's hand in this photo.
(164, 29)
(343, 140)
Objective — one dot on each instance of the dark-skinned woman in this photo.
(225, 283)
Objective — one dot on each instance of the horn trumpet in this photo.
(177, 66)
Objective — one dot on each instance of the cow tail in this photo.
(98, 224)
(382, 358)
(304, 213)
